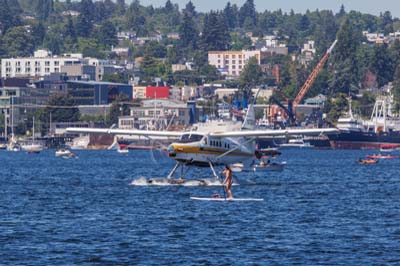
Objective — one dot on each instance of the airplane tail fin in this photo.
(250, 119)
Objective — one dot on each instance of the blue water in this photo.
(322, 209)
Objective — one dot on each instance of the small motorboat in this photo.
(367, 161)
(261, 167)
(382, 156)
(123, 151)
(62, 152)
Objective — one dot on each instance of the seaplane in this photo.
(212, 148)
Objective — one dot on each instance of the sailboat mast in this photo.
(33, 129)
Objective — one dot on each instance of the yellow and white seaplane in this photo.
(212, 148)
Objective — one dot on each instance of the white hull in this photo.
(32, 147)
(60, 153)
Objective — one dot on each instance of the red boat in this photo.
(380, 156)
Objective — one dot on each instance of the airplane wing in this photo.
(127, 132)
(276, 133)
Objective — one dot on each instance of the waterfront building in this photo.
(97, 93)
(42, 63)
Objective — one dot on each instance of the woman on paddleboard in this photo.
(228, 181)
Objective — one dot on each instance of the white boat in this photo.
(296, 144)
(32, 146)
(261, 167)
(79, 143)
(123, 151)
(62, 152)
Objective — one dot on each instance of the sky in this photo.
(365, 6)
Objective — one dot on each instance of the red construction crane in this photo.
(291, 104)
(310, 80)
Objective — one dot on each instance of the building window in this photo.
(219, 56)
(233, 56)
(37, 63)
(151, 112)
(27, 64)
(8, 63)
(219, 66)
(226, 61)
(37, 69)
(56, 70)
(18, 70)
(219, 61)
(18, 63)
(240, 67)
(56, 63)
(47, 63)
(240, 61)
(47, 70)
(8, 69)
(233, 72)
(240, 56)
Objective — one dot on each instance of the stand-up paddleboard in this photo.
(226, 199)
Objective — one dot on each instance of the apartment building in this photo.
(41, 64)
(231, 63)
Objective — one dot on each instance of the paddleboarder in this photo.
(228, 181)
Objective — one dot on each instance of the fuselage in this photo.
(203, 149)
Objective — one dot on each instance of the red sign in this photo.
(157, 92)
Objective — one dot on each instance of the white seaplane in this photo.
(211, 148)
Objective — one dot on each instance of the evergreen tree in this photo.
(18, 42)
(107, 34)
(8, 19)
(190, 9)
(136, 19)
(230, 14)
(248, 12)
(382, 64)
(345, 71)
(215, 33)
(188, 33)
(38, 33)
(85, 19)
(121, 8)
(44, 8)
(70, 38)
(396, 87)
(251, 75)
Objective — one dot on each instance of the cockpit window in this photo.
(186, 138)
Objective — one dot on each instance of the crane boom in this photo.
(310, 80)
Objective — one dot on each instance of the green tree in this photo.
(215, 33)
(136, 19)
(120, 7)
(44, 8)
(85, 19)
(18, 42)
(382, 65)
(248, 15)
(107, 34)
(8, 18)
(345, 70)
(188, 33)
(62, 108)
(230, 14)
(396, 87)
(38, 33)
(120, 106)
(251, 75)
